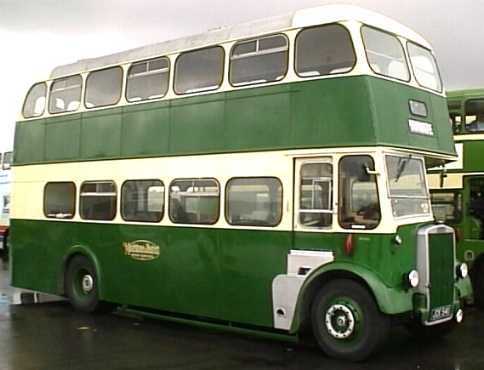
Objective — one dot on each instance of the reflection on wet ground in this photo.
(52, 336)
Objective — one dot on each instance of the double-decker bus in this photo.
(5, 162)
(266, 176)
(458, 190)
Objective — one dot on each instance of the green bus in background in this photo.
(458, 192)
(268, 177)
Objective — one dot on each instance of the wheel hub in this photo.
(87, 283)
(340, 321)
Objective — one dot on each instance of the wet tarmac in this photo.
(52, 336)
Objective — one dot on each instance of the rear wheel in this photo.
(346, 321)
(81, 286)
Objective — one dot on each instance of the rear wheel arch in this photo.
(72, 253)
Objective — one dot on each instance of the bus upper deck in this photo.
(370, 82)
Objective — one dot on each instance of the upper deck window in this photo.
(324, 50)
(34, 105)
(258, 61)
(424, 67)
(104, 87)
(385, 54)
(199, 70)
(148, 80)
(65, 94)
(474, 115)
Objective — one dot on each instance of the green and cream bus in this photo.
(268, 176)
(458, 192)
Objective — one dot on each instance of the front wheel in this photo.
(81, 286)
(346, 321)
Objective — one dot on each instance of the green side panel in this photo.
(335, 112)
(101, 134)
(146, 130)
(441, 262)
(473, 151)
(63, 138)
(339, 114)
(212, 273)
(30, 139)
(392, 112)
(259, 121)
(197, 125)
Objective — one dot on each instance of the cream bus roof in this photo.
(298, 19)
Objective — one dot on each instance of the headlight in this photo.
(462, 270)
(413, 278)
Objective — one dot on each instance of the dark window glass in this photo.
(194, 201)
(254, 202)
(359, 207)
(35, 101)
(7, 160)
(142, 200)
(324, 50)
(199, 70)
(474, 115)
(446, 206)
(316, 195)
(473, 228)
(65, 94)
(385, 54)
(104, 87)
(259, 61)
(59, 200)
(98, 200)
(148, 80)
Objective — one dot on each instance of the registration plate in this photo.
(440, 313)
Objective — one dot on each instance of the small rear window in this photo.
(34, 105)
(104, 87)
(199, 70)
(59, 200)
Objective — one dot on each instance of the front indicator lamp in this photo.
(413, 278)
(459, 316)
(462, 270)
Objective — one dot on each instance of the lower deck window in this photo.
(254, 202)
(358, 194)
(98, 200)
(194, 201)
(142, 200)
(59, 200)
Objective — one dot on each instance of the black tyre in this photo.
(477, 279)
(81, 286)
(346, 321)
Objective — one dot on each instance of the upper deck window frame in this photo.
(166, 70)
(53, 82)
(44, 83)
(202, 90)
(437, 69)
(355, 54)
(89, 75)
(402, 46)
(259, 53)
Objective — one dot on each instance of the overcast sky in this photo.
(37, 35)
